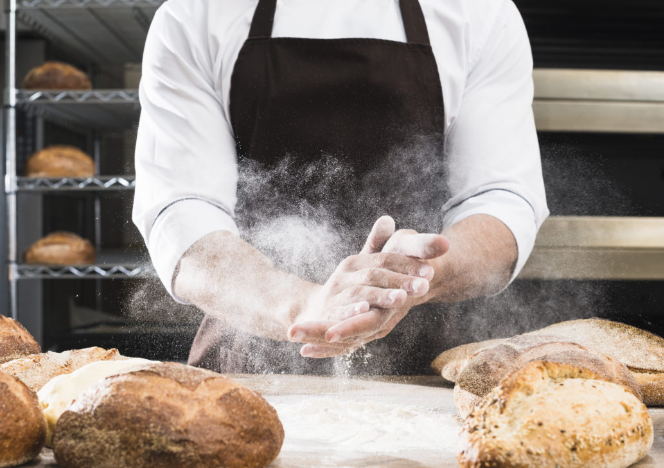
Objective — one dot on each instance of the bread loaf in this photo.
(168, 415)
(555, 415)
(451, 362)
(60, 161)
(22, 424)
(488, 367)
(36, 370)
(56, 75)
(61, 248)
(56, 396)
(15, 341)
(651, 385)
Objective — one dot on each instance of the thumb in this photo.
(381, 232)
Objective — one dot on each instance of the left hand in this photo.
(345, 336)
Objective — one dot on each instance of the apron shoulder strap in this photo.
(413, 21)
(411, 13)
(261, 25)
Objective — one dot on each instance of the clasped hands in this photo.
(370, 293)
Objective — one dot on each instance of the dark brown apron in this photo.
(356, 104)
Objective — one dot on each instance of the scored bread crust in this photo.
(450, 363)
(56, 75)
(15, 340)
(60, 161)
(36, 370)
(22, 423)
(548, 414)
(168, 414)
(488, 367)
(652, 386)
(61, 248)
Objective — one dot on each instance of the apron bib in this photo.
(309, 107)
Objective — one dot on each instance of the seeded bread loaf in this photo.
(15, 341)
(61, 248)
(60, 161)
(36, 370)
(168, 414)
(22, 423)
(56, 75)
(550, 415)
(488, 367)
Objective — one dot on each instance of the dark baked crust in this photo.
(60, 161)
(15, 341)
(56, 75)
(61, 248)
(22, 423)
(168, 414)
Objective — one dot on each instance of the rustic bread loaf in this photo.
(555, 415)
(61, 248)
(651, 385)
(451, 362)
(36, 370)
(15, 341)
(488, 367)
(168, 414)
(60, 161)
(56, 75)
(56, 396)
(22, 424)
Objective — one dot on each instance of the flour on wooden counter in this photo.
(366, 426)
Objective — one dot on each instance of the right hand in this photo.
(368, 281)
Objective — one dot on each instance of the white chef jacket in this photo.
(186, 162)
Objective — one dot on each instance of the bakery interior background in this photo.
(601, 130)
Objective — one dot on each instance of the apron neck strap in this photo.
(411, 13)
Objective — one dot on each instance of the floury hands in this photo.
(370, 293)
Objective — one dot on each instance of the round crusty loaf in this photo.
(553, 415)
(168, 414)
(22, 423)
(56, 75)
(15, 341)
(651, 385)
(60, 161)
(37, 369)
(488, 367)
(61, 248)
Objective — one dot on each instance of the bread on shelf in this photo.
(22, 423)
(36, 370)
(56, 75)
(15, 341)
(61, 248)
(60, 161)
(168, 414)
(549, 415)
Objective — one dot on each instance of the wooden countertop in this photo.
(426, 393)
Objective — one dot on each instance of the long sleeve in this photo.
(186, 167)
(492, 151)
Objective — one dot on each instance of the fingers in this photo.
(381, 232)
(387, 279)
(307, 332)
(412, 244)
(376, 297)
(389, 261)
(363, 325)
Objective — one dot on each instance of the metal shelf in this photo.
(23, 271)
(599, 101)
(598, 248)
(102, 109)
(70, 184)
(98, 31)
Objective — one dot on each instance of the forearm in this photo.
(480, 261)
(229, 279)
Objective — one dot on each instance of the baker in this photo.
(276, 134)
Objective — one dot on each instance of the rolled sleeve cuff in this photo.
(513, 210)
(177, 228)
